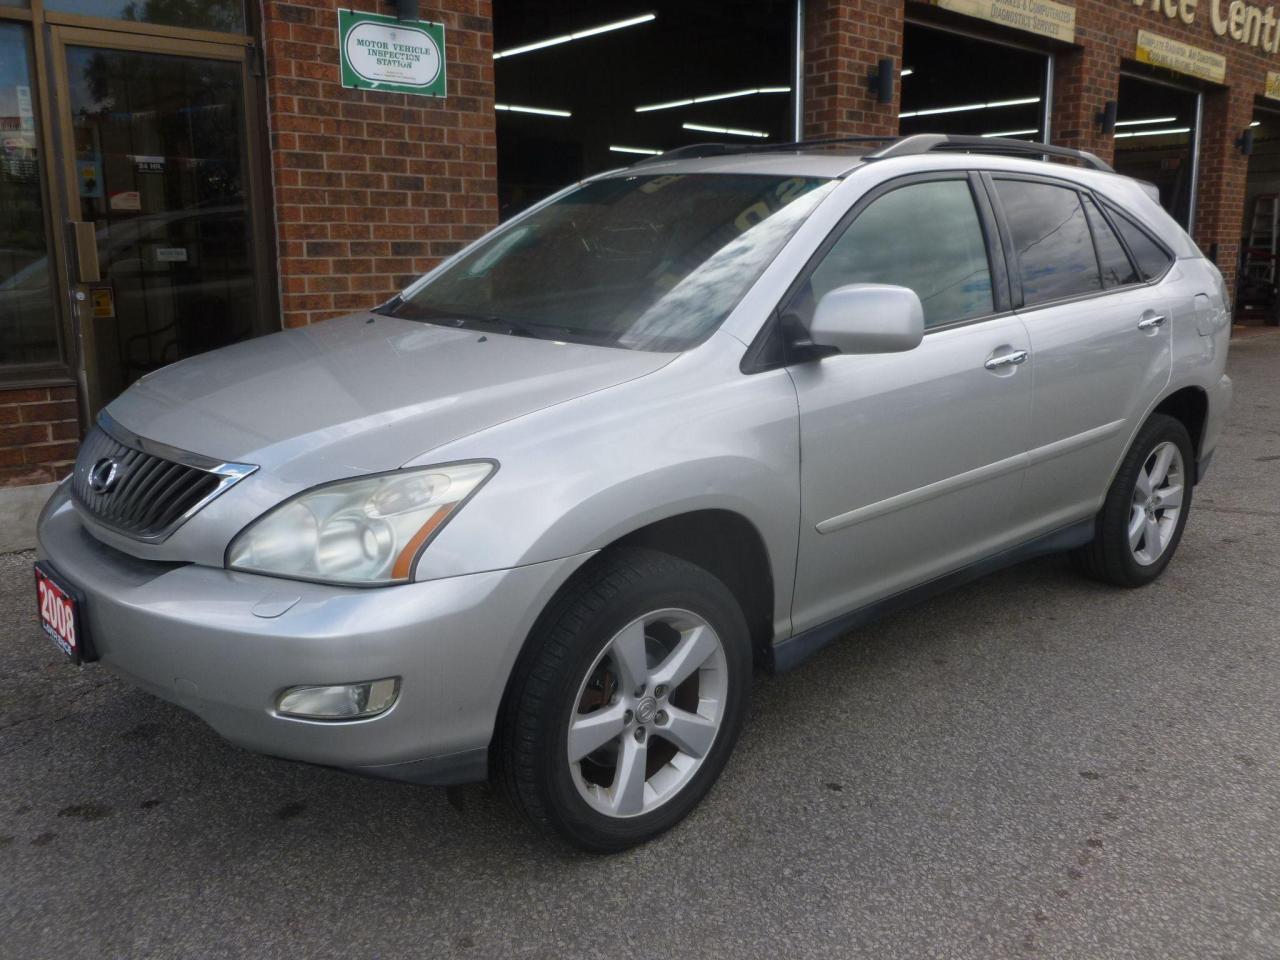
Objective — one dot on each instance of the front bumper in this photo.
(224, 644)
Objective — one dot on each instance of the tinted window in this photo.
(926, 237)
(1150, 256)
(1051, 237)
(1117, 270)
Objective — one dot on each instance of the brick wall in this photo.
(372, 188)
(38, 434)
(844, 40)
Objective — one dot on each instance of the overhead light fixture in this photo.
(1256, 123)
(1153, 133)
(689, 101)
(1013, 133)
(577, 35)
(906, 72)
(541, 111)
(1138, 123)
(963, 108)
(733, 131)
(644, 150)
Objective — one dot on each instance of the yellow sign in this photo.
(104, 303)
(1272, 90)
(1048, 18)
(1175, 55)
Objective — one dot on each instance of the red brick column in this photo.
(373, 188)
(1083, 81)
(844, 40)
(38, 434)
(1223, 170)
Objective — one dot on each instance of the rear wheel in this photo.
(1141, 521)
(629, 704)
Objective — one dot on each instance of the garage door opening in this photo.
(945, 88)
(1257, 299)
(583, 88)
(1157, 136)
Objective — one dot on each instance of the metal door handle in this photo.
(1006, 360)
(1155, 320)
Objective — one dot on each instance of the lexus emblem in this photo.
(103, 476)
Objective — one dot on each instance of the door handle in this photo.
(1006, 360)
(1152, 321)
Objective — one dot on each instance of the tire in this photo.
(1114, 556)
(628, 607)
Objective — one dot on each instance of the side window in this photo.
(1151, 257)
(1051, 238)
(925, 236)
(1117, 269)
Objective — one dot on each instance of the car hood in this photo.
(361, 393)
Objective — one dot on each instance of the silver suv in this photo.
(536, 517)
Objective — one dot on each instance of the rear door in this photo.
(910, 462)
(1099, 321)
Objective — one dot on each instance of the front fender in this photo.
(696, 435)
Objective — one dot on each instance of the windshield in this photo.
(642, 262)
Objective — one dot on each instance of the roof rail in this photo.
(695, 150)
(934, 142)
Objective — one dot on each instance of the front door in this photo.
(165, 253)
(911, 463)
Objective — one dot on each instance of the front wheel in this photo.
(628, 705)
(1141, 521)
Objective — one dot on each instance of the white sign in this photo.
(399, 55)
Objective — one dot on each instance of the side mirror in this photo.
(868, 318)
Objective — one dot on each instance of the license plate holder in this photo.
(60, 607)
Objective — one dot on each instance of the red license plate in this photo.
(59, 614)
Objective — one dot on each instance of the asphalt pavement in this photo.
(1031, 766)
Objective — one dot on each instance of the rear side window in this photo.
(1117, 269)
(925, 236)
(1152, 259)
(1051, 238)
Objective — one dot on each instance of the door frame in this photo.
(66, 199)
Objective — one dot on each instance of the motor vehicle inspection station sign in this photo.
(382, 53)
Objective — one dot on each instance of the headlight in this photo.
(366, 531)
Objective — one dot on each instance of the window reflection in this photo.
(223, 15)
(28, 332)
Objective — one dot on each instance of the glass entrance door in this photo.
(160, 189)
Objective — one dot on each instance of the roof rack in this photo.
(695, 150)
(911, 146)
(935, 142)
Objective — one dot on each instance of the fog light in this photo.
(344, 701)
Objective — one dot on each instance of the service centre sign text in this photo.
(1241, 21)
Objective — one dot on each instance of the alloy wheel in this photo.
(1157, 503)
(647, 713)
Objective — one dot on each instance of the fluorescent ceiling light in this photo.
(645, 150)
(1137, 123)
(1013, 133)
(735, 131)
(1256, 123)
(1153, 133)
(962, 108)
(688, 101)
(906, 72)
(541, 111)
(579, 35)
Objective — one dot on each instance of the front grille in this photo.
(153, 488)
